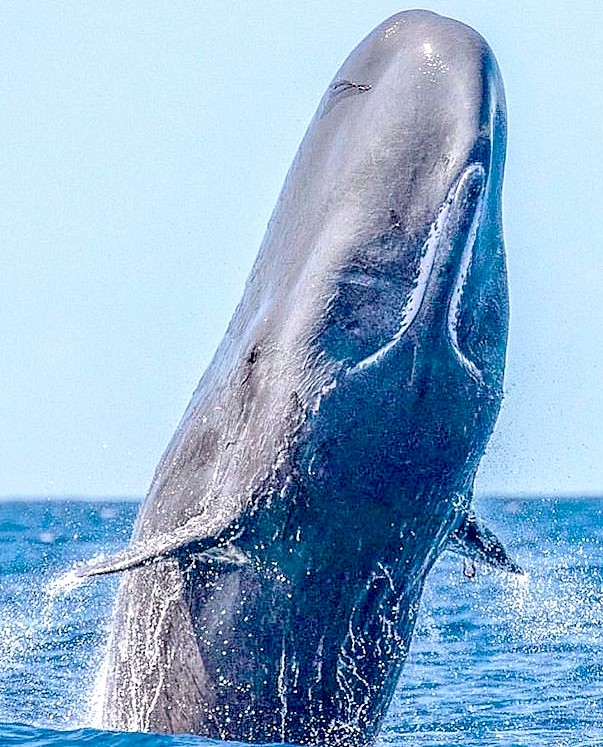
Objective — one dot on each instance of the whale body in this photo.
(328, 454)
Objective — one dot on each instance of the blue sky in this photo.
(143, 148)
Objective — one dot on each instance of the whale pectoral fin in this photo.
(137, 556)
(134, 557)
(193, 537)
(475, 541)
(103, 566)
(197, 532)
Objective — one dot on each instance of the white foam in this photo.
(64, 583)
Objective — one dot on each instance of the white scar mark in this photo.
(158, 664)
(281, 686)
(388, 577)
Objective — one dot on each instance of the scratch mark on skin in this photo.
(340, 90)
(345, 85)
(348, 669)
(318, 660)
(388, 576)
(156, 647)
(282, 689)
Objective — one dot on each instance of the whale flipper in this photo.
(211, 549)
(133, 557)
(475, 541)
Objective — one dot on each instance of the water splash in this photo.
(511, 660)
(64, 584)
(562, 601)
(47, 630)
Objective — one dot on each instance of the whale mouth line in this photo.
(456, 298)
(438, 242)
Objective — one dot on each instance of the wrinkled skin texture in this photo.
(330, 449)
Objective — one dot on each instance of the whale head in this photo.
(384, 256)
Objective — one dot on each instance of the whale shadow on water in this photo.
(328, 455)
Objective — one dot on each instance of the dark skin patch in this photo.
(394, 219)
(254, 354)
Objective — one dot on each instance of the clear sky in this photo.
(143, 147)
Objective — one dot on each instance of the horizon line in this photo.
(96, 498)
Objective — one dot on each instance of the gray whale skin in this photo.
(328, 454)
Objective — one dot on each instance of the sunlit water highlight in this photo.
(499, 660)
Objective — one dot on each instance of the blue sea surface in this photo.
(496, 660)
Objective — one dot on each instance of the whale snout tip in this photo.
(435, 34)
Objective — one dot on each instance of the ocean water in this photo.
(495, 660)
